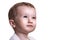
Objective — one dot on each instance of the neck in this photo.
(22, 36)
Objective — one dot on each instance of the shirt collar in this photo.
(15, 37)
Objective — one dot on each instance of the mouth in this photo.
(29, 25)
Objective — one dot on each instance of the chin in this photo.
(31, 30)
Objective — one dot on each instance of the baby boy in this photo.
(22, 17)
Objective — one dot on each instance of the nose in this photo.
(30, 20)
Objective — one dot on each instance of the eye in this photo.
(34, 17)
(25, 16)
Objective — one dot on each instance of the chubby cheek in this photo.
(24, 21)
(34, 23)
(21, 22)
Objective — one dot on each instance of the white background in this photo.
(48, 19)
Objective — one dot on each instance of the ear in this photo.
(12, 23)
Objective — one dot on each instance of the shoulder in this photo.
(14, 37)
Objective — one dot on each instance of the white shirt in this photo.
(15, 37)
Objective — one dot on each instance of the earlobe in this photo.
(12, 23)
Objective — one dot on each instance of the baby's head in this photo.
(22, 17)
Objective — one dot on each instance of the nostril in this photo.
(30, 21)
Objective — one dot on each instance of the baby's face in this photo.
(25, 19)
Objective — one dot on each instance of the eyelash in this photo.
(32, 17)
(25, 16)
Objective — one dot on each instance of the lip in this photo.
(29, 25)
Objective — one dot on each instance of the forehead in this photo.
(26, 10)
